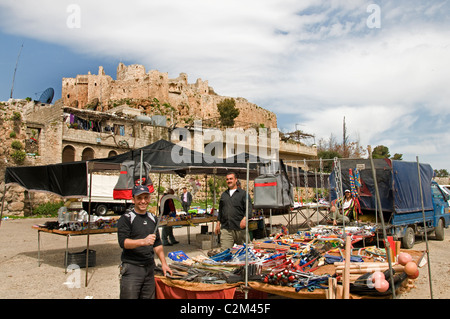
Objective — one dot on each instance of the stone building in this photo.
(99, 117)
(35, 133)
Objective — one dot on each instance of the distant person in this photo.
(350, 206)
(167, 231)
(139, 242)
(186, 200)
(232, 209)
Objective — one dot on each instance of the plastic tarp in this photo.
(71, 179)
(168, 157)
(406, 186)
(398, 184)
(66, 180)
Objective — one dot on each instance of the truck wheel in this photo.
(101, 210)
(409, 238)
(439, 231)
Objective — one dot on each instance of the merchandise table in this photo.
(68, 234)
(191, 222)
(310, 210)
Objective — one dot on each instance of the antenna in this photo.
(14, 76)
(47, 96)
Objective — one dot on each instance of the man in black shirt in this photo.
(139, 240)
(231, 218)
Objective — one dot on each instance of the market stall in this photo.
(73, 180)
(69, 233)
(306, 265)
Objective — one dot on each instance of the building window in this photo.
(32, 141)
(68, 154)
(88, 154)
(112, 153)
(119, 130)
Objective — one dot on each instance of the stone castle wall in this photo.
(133, 83)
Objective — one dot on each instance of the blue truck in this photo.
(401, 201)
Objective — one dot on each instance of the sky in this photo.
(383, 65)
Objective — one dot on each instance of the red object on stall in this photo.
(164, 291)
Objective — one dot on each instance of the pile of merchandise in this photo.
(78, 221)
(304, 261)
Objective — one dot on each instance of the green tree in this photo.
(441, 173)
(228, 112)
(328, 165)
(381, 151)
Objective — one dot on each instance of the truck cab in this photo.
(441, 207)
(407, 226)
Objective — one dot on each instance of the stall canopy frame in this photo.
(70, 180)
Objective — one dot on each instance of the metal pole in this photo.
(270, 219)
(39, 248)
(140, 169)
(214, 206)
(157, 199)
(425, 227)
(214, 194)
(206, 193)
(3, 204)
(89, 222)
(338, 164)
(387, 246)
(246, 232)
(317, 197)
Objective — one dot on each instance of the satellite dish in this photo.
(47, 96)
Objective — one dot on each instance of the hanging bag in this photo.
(274, 190)
(129, 177)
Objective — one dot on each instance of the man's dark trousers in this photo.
(137, 282)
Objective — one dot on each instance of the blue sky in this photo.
(384, 65)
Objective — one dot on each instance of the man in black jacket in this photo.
(139, 241)
(186, 200)
(231, 218)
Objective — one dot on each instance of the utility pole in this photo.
(14, 76)
(344, 139)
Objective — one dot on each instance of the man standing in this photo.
(139, 240)
(186, 200)
(167, 231)
(231, 218)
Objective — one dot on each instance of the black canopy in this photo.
(65, 179)
(71, 179)
(167, 157)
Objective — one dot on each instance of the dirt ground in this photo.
(22, 278)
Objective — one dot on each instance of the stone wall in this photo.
(14, 128)
(188, 101)
(38, 131)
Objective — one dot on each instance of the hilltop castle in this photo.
(176, 98)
